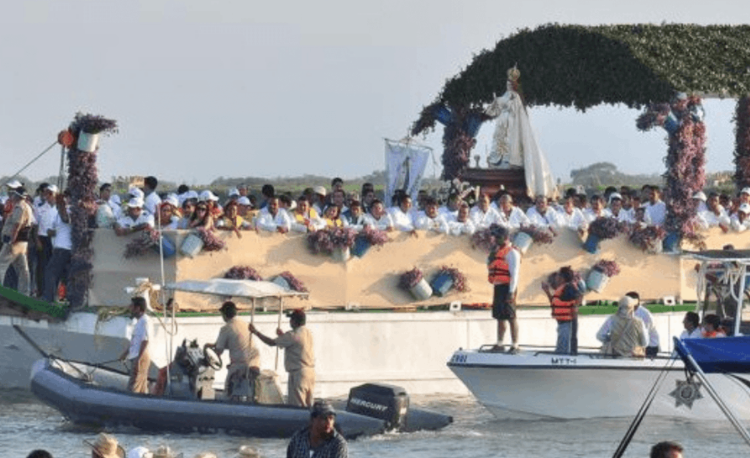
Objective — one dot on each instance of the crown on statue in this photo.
(514, 73)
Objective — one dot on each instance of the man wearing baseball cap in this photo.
(299, 359)
(135, 220)
(319, 439)
(15, 237)
(740, 221)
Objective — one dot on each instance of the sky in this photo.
(207, 89)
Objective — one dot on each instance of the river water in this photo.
(26, 424)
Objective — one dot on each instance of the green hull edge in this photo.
(29, 303)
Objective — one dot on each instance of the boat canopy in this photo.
(720, 355)
(250, 289)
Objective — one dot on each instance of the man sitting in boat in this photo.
(692, 324)
(244, 358)
(564, 302)
(299, 358)
(624, 334)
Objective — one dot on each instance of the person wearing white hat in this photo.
(319, 199)
(14, 184)
(624, 334)
(740, 221)
(700, 198)
(135, 192)
(744, 196)
(615, 208)
(714, 215)
(15, 237)
(136, 219)
(169, 214)
(105, 446)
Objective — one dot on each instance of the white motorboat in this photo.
(537, 383)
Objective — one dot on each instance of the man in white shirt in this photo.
(430, 219)
(542, 215)
(615, 208)
(45, 216)
(450, 209)
(740, 221)
(378, 218)
(692, 324)
(511, 216)
(648, 320)
(272, 219)
(152, 199)
(137, 352)
(714, 215)
(483, 215)
(700, 200)
(571, 216)
(62, 244)
(656, 209)
(597, 210)
(136, 219)
(402, 215)
(463, 224)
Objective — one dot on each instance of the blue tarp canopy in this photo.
(723, 354)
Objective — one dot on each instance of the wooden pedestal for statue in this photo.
(513, 181)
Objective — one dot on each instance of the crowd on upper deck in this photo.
(462, 212)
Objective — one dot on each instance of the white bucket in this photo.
(596, 281)
(341, 254)
(88, 142)
(522, 241)
(191, 246)
(421, 291)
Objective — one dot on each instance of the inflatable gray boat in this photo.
(97, 396)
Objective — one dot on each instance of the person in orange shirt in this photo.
(712, 327)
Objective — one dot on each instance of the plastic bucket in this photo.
(191, 246)
(361, 245)
(167, 247)
(522, 241)
(442, 284)
(341, 254)
(421, 291)
(88, 142)
(596, 281)
(672, 242)
(591, 244)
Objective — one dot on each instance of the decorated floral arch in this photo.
(663, 69)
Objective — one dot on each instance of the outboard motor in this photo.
(389, 403)
(192, 375)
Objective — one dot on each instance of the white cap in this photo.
(207, 195)
(139, 452)
(615, 195)
(191, 195)
(234, 192)
(700, 195)
(116, 199)
(745, 208)
(243, 201)
(319, 190)
(171, 200)
(136, 192)
(135, 203)
(14, 184)
(53, 189)
(745, 191)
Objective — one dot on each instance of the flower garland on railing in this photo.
(410, 278)
(210, 241)
(484, 238)
(243, 273)
(540, 235)
(742, 143)
(685, 160)
(460, 283)
(648, 238)
(608, 268)
(141, 244)
(328, 239)
(294, 282)
(606, 227)
(82, 185)
(375, 237)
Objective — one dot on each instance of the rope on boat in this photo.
(644, 408)
(7, 180)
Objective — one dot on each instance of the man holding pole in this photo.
(299, 358)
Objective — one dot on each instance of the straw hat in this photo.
(165, 452)
(247, 451)
(106, 446)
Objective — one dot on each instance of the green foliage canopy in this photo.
(584, 66)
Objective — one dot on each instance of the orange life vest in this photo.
(563, 310)
(498, 269)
